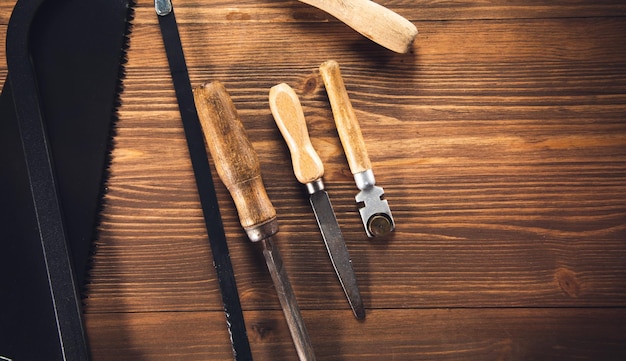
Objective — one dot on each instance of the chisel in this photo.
(373, 208)
(238, 167)
(309, 170)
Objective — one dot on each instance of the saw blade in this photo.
(204, 181)
(56, 113)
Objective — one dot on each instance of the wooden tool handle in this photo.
(345, 119)
(288, 114)
(236, 161)
(372, 20)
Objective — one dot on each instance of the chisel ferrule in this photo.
(262, 231)
(315, 186)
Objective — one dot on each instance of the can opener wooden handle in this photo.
(373, 208)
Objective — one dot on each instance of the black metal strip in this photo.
(67, 311)
(57, 109)
(206, 188)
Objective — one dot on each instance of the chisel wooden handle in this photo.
(236, 161)
(345, 119)
(372, 20)
(288, 114)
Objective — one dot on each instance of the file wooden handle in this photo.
(289, 117)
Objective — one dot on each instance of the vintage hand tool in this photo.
(238, 166)
(204, 181)
(309, 170)
(372, 20)
(57, 112)
(374, 209)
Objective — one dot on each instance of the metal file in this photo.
(309, 170)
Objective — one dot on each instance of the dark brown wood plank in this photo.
(291, 10)
(500, 142)
(269, 14)
(507, 176)
(260, 48)
(450, 334)
(248, 11)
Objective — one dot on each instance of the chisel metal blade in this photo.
(287, 299)
(337, 250)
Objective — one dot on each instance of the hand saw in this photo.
(56, 113)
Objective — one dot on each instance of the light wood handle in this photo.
(236, 161)
(372, 20)
(288, 114)
(345, 119)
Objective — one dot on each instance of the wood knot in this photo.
(567, 281)
(310, 84)
(237, 15)
(263, 330)
(345, 172)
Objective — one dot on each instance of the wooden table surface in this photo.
(500, 141)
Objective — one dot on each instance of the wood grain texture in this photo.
(450, 334)
(500, 141)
